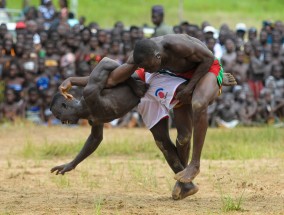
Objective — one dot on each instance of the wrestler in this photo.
(158, 126)
(188, 57)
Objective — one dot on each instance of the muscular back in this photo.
(183, 53)
(107, 104)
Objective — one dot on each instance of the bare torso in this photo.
(107, 104)
(183, 53)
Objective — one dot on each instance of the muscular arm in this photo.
(90, 146)
(195, 52)
(79, 81)
(122, 73)
(206, 60)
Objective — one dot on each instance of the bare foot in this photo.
(188, 174)
(182, 190)
(229, 80)
(177, 190)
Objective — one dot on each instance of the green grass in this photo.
(230, 203)
(244, 143)
(235, 144)
(137, 12)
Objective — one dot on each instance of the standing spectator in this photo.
(255, 72)
(229, 56)
(158, 20)
(209, 32)
(240, 68)
(252, 35)
(2, 3)
(47, 11)
(63, 4)
(241, 31)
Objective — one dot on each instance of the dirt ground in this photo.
(125, 185)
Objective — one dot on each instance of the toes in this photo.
(175, 196)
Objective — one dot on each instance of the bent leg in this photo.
(162, 138)
(206, 91)
(183, 122)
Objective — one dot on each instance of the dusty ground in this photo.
(125, 185)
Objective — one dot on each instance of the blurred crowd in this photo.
(50, 45)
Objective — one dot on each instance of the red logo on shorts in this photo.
(161, 95)
(159, 92)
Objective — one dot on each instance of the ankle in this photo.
(195, 163)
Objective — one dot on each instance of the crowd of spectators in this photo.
(51, 45)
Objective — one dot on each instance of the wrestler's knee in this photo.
(199, 104)
(183, 139)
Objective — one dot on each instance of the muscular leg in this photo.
(183, 122)
(206, 91)
(162, 138)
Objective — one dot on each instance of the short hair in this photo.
(143, 49)
(57, 97)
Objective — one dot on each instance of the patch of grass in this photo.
(138, 12)
(230, 203)
(230, 144)
(244, 143)
(61, 181)
(49, 150)
(98, 206)
(145, 176)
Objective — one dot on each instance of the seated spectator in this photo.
(49, 118)
(248, 109)
(95, 54)
(114, 52)
(227, 114)
(34, 107)
(11, 109)
(13, 80)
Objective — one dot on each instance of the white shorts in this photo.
(159, 98)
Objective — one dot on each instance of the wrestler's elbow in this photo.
(111, 82)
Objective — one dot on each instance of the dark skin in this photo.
(114, 104)
(176, 156)
(112, 101)
(97, 105)
(181, 53)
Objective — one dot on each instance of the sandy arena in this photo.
(125, 185)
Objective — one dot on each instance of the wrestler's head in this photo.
(65, 110)
(146, 55)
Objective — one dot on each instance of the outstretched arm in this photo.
(90, 146)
